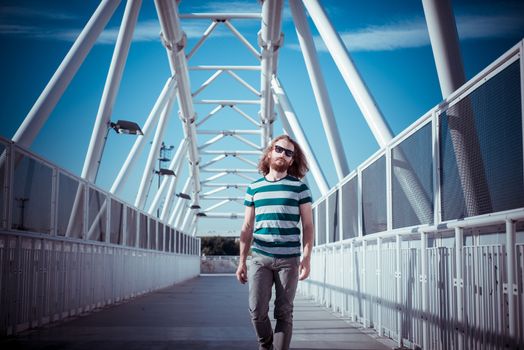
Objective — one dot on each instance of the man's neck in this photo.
(274, 175)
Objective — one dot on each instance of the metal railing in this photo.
(442, 275)
(55, 264)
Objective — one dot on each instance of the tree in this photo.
(220, 246)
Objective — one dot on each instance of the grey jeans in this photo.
(263, 272)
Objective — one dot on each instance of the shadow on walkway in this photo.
(208, 312)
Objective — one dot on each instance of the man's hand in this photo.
(242, 272)
(304, 269)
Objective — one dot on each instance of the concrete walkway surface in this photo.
(207, 312)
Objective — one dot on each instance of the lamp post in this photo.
(120, 127)
(164, 157)
(160, 172)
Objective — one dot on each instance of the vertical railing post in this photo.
(459, 285)
(352, 278)
(107, 224)
(398, 276)
(341, 294)
(511, 280)
(366, 302)
(54, 202)
(124, 225)
(379, 286)
(424, 287)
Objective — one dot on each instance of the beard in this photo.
(280, 165)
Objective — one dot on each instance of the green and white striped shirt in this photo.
(277, 215)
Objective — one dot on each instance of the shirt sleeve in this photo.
(248, 199)
(304, 196)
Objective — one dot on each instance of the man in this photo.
(274, 206)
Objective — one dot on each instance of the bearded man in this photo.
(275, 206)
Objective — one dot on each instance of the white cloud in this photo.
(411, 34)
(230, 7)
(9, 11)
(144, 31)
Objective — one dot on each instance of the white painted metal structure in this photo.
(451, 283)
(392, 250)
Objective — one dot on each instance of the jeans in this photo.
(263, 272)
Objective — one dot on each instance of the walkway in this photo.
(208, 312)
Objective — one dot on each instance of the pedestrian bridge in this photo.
(420, 246)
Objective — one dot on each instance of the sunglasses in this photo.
(289, 153)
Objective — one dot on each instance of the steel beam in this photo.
(175, 166)
(270, 40)
(220, 16)
(167, 91)
(214, 67)
(114, 76)
(56, 86)
(356, 85)
(309, 52)
(290, 117)
(149, 169)
(174, 40)
(461, 120)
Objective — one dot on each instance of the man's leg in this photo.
(286, 280)
(260, 279)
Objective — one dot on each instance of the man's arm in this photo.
(306, 215)
(246, 235)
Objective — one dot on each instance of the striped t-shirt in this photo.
(277, 215)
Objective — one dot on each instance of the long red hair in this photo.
(298, 168)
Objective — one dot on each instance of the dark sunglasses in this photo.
(289, 153)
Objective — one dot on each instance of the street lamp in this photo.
(162, 172)
(120, 127)
(183, 195)
(126, 127)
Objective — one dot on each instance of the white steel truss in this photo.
(202, 143)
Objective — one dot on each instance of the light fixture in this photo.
(201, 214)
(126, 127)
(183, 195)
(195, 206)
(163, 172)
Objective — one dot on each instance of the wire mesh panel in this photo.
(412, 180)
(71, 194)
(321, 224)
(374, 203)
(117, 222)
(332, 217)
(481, 149)
(33, 183)
(3, 179)
(160, 236)
(171, 240)
(350, 207)
(142, 239)
(97, 215)
(131, 226)
(182, 243)
(152, 238)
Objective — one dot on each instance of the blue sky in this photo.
(388, 42)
